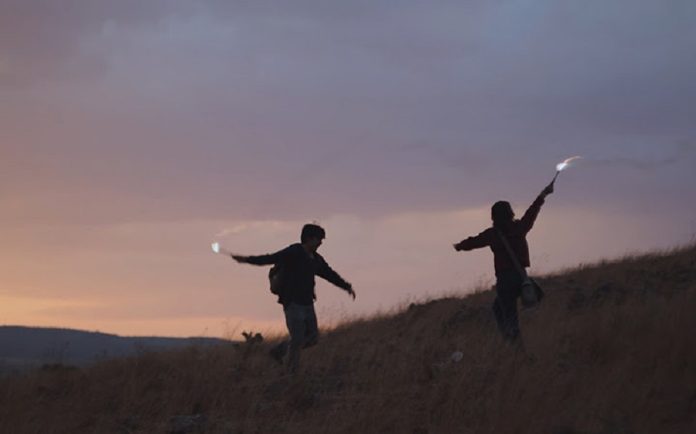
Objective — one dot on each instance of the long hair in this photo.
(502, 214)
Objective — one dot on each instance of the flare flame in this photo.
(565, 163)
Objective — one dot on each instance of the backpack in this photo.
(275, 278)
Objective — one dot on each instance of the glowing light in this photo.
(216, 247)
(563, 165)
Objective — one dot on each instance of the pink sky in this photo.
(131, 133)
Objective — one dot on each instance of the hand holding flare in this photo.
(561, 167)
(221, 251)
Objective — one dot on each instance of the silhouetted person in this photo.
(508, 279)
(298, 264)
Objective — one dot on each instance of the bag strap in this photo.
(512, 255)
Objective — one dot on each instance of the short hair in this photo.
(502, 213)
(312, 230)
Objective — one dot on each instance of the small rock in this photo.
(457, 356)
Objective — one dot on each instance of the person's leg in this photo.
(499, 315)
(279, 351)
(311, 328)
(295, 321)
(507, 290)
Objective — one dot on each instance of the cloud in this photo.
(238, 110)
(49, 40)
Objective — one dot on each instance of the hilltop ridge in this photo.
(612, 352)
(24, 347)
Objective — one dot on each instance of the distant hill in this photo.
(22, 347)
(611, 350)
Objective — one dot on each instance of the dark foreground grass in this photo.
(612, 352)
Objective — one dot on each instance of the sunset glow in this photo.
(135, 134)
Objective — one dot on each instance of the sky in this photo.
(135, 133)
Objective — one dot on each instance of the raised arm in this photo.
(529, 217)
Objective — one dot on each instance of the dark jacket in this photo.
(298, 269)
(515, 232)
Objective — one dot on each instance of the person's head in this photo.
(502, 213)
(312, 236)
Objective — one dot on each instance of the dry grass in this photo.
(613, 352)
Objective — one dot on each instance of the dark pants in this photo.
(303, 329)
(507, 289)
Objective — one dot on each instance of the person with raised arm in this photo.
(507, 238)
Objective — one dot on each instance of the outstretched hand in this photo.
(239, 258)
(548, 190)
(350, 291)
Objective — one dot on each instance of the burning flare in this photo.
(561, 166)
(564, 165)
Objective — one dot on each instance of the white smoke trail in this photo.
(566, 163)
(233, 230)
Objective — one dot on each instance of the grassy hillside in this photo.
(613, 346)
